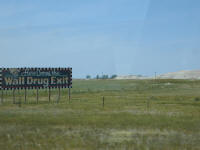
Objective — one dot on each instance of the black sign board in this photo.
(29, 78)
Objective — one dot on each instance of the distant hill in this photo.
(185, 74)
(133, 77)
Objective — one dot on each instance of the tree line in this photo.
(104, 76)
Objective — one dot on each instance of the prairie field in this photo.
(136, 114)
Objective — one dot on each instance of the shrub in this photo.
(196, 99)
(88, 77)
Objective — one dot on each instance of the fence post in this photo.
(148, 103)
(103, 101)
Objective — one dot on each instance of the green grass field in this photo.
(137, 114)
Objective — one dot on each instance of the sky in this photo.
(93, 37)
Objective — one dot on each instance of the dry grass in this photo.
(137, 115)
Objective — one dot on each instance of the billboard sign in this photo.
(30, 78)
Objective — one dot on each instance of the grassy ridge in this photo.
(138, 114)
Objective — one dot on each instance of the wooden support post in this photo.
(49, 94)
(19, 98)
(1, 95)
(37, 95)
(103, 101)
(13, 96)
(25, 95)
(69, 94)
(58, 95)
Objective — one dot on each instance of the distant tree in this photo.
(97, 77)
(88, 77)
(139, 75)
(104, 76)
(113, 76)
